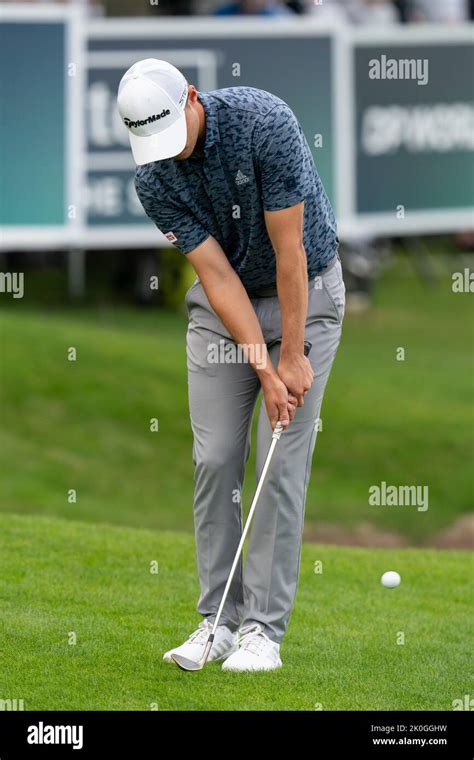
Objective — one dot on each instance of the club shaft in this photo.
(245, 531)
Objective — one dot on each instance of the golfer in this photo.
(229, 178)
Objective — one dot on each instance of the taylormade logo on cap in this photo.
(151, 99)
(141, 122)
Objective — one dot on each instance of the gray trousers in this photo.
(222, 398)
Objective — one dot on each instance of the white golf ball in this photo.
(390, 579)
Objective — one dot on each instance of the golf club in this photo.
(184, 662)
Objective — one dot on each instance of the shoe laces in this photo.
(253, 639)
(201, 634)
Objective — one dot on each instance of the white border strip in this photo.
(150, 28)
(304, 26)
(50, 238)
(344, 120)
(147, 236)
(430, 222)
(23, 13)
(422, 34)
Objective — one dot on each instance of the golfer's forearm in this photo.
(292, 284)
(230, 301)
(232, 305)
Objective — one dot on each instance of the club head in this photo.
(185, 664)
(189, 665)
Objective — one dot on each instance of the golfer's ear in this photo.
(192, 94)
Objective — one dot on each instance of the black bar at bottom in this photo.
(139, 735)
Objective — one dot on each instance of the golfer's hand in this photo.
(280, 405)
(296, 373)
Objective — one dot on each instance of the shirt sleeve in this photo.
(283, 158)
(175, 221)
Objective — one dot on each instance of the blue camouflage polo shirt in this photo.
(255, 157)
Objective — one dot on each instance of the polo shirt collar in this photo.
(212, 126)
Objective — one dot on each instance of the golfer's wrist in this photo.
(289, 351)
(267, 375)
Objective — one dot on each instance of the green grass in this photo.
(59, 577)
(84, 425)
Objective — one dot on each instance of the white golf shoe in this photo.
(225, 642)
(256, 651)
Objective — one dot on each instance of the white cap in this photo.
(151, 99)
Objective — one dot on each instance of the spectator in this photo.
(439, 11)
(254, 8)
(378, 12)
(355, 11)
(298, 6)
(171, 7)
(336, 10)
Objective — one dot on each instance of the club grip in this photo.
(279, 427)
